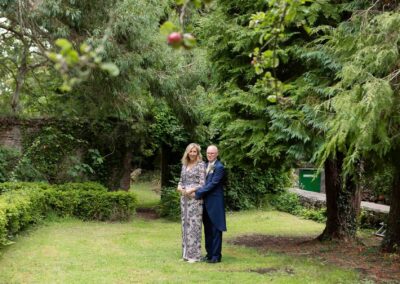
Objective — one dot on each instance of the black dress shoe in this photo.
(213, 260)
(205, 258)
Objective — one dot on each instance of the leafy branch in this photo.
(176, 35)
(274, 24)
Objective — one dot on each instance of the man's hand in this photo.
(189, 192)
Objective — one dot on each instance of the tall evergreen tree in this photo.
(365, 125)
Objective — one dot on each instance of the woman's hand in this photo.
(180, 189)
(190, 192)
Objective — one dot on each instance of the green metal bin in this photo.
(310, 180)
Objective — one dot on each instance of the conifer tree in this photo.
(365, 122)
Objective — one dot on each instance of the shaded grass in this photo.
(148, 194)
(143, 251)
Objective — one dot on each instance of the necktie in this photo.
(209, 166)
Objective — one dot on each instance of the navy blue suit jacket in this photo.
(213, 196)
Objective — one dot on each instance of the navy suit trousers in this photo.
(213, 238)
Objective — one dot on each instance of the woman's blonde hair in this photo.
(185, 159)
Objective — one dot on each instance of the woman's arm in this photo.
(181, 188)
(202, 178)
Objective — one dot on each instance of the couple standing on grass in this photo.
(202, 200)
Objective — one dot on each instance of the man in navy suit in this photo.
(213, 206)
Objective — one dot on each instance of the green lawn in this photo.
(147, 194)
(148, 251)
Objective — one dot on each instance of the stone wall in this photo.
(11, 130)
(371, 216)
(13, 133)
(11, 137)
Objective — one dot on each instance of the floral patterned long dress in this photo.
(191, 212)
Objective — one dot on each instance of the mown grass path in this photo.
(148, 251)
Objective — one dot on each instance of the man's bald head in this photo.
(212, 153)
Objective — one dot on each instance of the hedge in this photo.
(15, 186)
(71, 186)
(22, 204)
(17, 211)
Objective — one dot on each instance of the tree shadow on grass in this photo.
(362, 255)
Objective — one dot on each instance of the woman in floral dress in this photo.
(192, 178)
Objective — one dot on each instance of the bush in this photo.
(317, 215)
(8, 160)
(18, 210)
(170, 203)
(3, 225)
(92, 205)
(378, 183)
(369, 219)
(71, 186)
(84, 186)
(22, 204)
(106, 206)
(289, 202)
(15, 186)
(247, 188)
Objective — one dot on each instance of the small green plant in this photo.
(318, 215)
(170, 203)
(289, 202)
(8, 160)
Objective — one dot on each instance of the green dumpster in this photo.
(310, 180)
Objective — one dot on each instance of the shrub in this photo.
(170, 203)
(287, 202)
(63, 203)
(18, 210)
(379, 183)
(102, 206)
(14, 186)
(22, 204)
(8, 160)
(71, 186)
(317, 215)
(369, 219)
(3, 224)
(92, 205)
(247, 188)
(84, 186)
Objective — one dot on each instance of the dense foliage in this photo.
(24, 204)
(122, 112)
(247, 189)
(170, 207)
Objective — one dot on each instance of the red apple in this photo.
(174, 39)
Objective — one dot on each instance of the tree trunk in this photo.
(391, 241)
(125, 181)
(165, 161)
(120, 171)
(342, 203)
(22, 70)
